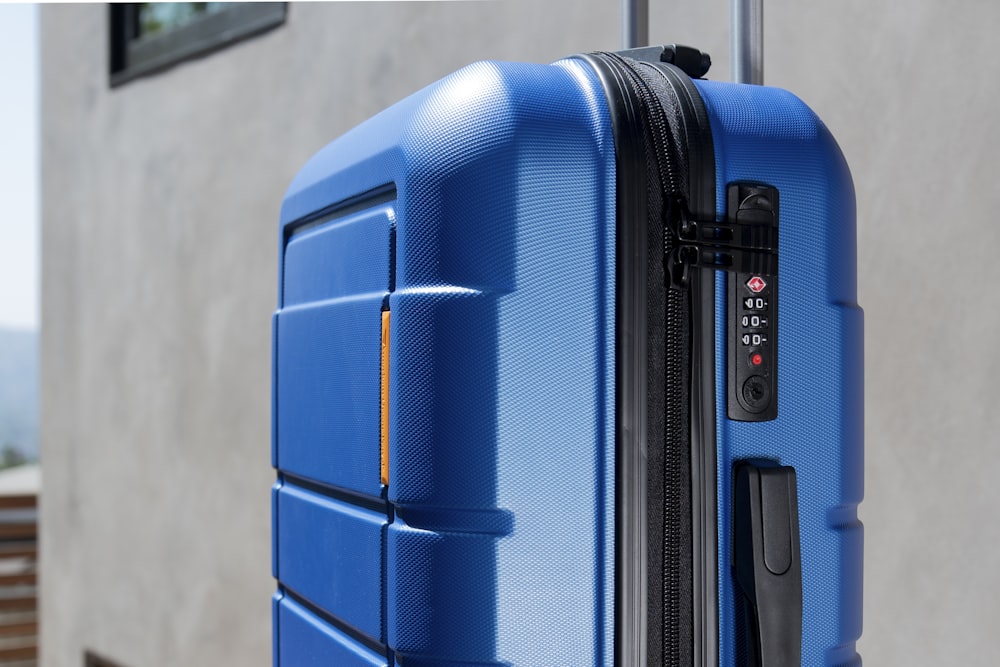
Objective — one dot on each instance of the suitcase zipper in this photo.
(666, 533)
(672, 642)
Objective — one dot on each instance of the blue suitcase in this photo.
(537, 398)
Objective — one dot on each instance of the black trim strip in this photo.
(630, 368)
(357, 635)
(337, 493)
(383, 194)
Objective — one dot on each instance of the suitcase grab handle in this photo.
(766, 562)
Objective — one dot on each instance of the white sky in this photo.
(19, 169)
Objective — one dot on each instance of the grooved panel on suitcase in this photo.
(331, 553)
(818, 429)
(328, 388)
(341, 256)
(336, 274)
(307, 641)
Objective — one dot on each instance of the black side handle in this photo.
(766, 562)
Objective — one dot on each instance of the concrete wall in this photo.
(159, 207)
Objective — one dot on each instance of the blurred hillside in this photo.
(18, 393)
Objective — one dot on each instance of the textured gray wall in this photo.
(159, 208)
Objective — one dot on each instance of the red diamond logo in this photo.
(756, 284)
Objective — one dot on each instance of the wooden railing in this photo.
(18, 581)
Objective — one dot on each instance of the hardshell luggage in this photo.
(538, 397)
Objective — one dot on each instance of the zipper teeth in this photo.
(676, 381)
(673, 400)
(673, 470)
(659, 124)
(675, 431)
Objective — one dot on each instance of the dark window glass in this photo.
(148, 37)
(156, 18)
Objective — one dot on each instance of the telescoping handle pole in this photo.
(635, 23)
(746, 55)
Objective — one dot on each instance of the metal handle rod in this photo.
(635, 23)
(746, 54)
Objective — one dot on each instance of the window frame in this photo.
(133, 56)
(91, 659)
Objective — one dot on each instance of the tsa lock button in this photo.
(756, 284)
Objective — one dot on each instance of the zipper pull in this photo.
(745, 242)
(678, 228)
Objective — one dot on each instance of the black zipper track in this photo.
(670, 635)
(657, 107)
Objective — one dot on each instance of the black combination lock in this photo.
(752, 211)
